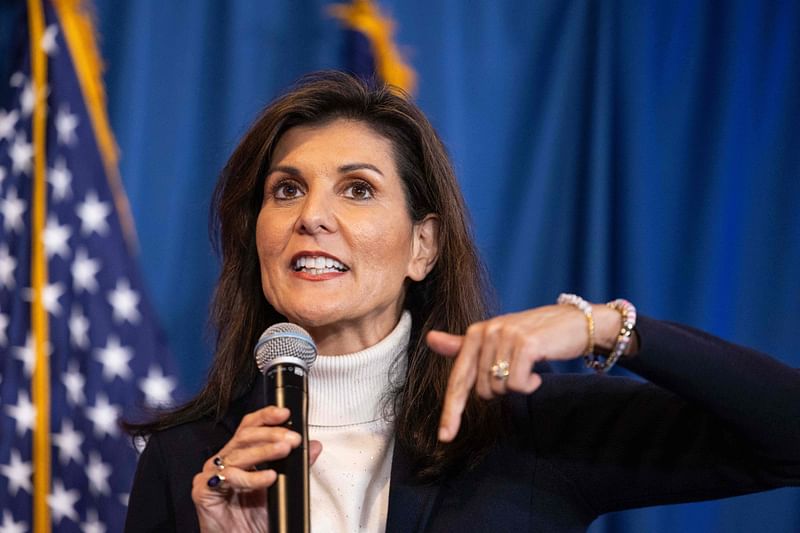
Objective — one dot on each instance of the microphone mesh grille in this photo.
(285, 341)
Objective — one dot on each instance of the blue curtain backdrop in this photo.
(645, 149)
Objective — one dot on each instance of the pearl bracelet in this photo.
(628, 313)
(576, 301)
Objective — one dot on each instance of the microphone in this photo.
(284, 354)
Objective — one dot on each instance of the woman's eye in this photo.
(286, 190)
(359, 190)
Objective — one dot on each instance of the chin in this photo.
(311, 318)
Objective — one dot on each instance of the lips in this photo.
(316, 263)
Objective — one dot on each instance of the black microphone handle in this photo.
(286, 385)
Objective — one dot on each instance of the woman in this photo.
(339, 211)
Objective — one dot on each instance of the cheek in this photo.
(268, 237)
(268, 245)
(385, 250)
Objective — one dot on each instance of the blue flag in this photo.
(106, 356)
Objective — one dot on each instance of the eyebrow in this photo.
(294, 171)
(358, 166)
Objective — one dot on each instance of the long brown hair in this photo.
(450, 298)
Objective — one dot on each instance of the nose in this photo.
(316, 215)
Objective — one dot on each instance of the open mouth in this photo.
(317, 264)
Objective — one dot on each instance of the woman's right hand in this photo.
(239, 503)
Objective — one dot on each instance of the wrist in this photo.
(608, 322)
(610, 330)
(626, 343)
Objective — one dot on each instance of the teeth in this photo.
(318, 265)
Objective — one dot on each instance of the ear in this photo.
(424, 247)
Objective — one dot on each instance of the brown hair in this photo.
(450, 298)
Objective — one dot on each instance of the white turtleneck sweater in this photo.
(348, 415)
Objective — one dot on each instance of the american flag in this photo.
(105, 354)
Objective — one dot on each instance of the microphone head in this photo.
(285, 343)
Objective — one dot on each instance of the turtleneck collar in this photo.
(351, 388)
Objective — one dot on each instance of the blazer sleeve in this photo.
(716, 420)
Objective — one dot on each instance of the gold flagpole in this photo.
(39, 319)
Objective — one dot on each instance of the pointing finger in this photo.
(460, 383)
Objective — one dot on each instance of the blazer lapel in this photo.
(410, 503)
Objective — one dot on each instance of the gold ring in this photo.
(499, 370)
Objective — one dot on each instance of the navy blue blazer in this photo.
(715, 420)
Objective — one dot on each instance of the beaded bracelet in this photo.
(586, 307)
(628, 312)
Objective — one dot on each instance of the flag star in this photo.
(60, 178)
(23, 413)
(74, 382)
(98, 472)
(124, 301)
(52, 292)
(84, 269)
(93, 215)
(27, 99)
(9, 526)
(93, 523)
(157, 388)
(18, 473)
(78, 328)
(21, 154)
(114, 358)
(48, 42)
(66, 123)
(7, 265)
(8, 120)
(56, 238)
(50, 295)
(12, 208)
(103, 416)
(17, 79)
(3, 330)
(69, 443)
(27, 354)
(62, 502)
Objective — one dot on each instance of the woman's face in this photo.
(334, 236)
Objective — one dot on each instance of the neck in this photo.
(351, 336)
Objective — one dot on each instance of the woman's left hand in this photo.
(518, 340)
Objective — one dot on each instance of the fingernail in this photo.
(292, 438)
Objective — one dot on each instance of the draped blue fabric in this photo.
(643, 148)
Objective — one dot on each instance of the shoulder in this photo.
(160, 499)
(203, 436)
(181, 450)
